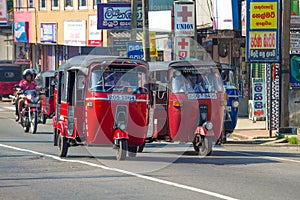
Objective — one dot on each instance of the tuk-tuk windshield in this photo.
(120, 80)
(228, 77)
(196, 81)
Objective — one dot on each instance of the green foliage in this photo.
(293, 140)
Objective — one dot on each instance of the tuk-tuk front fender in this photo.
(119, 134)
(200, 130)
(61, 128)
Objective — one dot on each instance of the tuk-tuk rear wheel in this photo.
(122, 150)
(132, 150)
(141, 148)
(63, 146)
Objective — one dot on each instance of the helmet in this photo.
(34, 71)
(26, 72)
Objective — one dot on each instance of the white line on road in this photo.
(9, 108)
(266, 157)
(125, 172)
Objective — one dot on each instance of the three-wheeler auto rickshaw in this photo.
(10, 75)
(102, 101)
(188, 103)
(231, 111)
(46, 81)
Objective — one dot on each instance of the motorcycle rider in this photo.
(26, 83)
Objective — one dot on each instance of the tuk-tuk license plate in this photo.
(34, 105)
(113, 97)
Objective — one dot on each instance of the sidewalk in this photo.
(246, 129)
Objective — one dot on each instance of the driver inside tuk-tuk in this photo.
(116, 79)
(196, 83)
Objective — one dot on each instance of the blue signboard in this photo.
(20, 31)
(262, 40)
(135, 50)
(117, 16)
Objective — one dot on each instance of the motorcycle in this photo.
(29, 112)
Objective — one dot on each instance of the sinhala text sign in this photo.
(117, 16)
(262, 31)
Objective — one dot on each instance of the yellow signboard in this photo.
(152, 43)
(263, 15)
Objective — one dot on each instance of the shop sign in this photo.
(22, 53)
(48, 32)
(74, 33)
(3, 13)
(259, 97)
(294, 41)
(222, 14)
(135, 50)
(182, 47)
(262, 31)
(263, 15)
(243, 20)
(262, 45)
(295, 14)
(295, 70)
(20, 31)
(117, 16)
(95, 35)
(184, 19)
(152, 43)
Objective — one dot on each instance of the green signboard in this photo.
(159, 5)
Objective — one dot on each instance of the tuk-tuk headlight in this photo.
(208, 125)
(235, 104)
(122, 127)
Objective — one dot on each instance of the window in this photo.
(96, 2)
(68, 3)
(54, 4)
(19, 4)
(42, 4)
(82, 3)
(30, 3)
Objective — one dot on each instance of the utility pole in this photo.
(145, 5)
(133, 20)
(285, 63)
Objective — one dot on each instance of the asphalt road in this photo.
(30, 169)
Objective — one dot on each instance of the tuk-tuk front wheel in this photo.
(122, 149)
(63, 145)
(205, 148)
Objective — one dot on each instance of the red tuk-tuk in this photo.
(188, 103)
(100, 101)
(10, 75)
(46, 80)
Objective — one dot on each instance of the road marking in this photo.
(9, 108)
(267, 157)
(178, 185)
